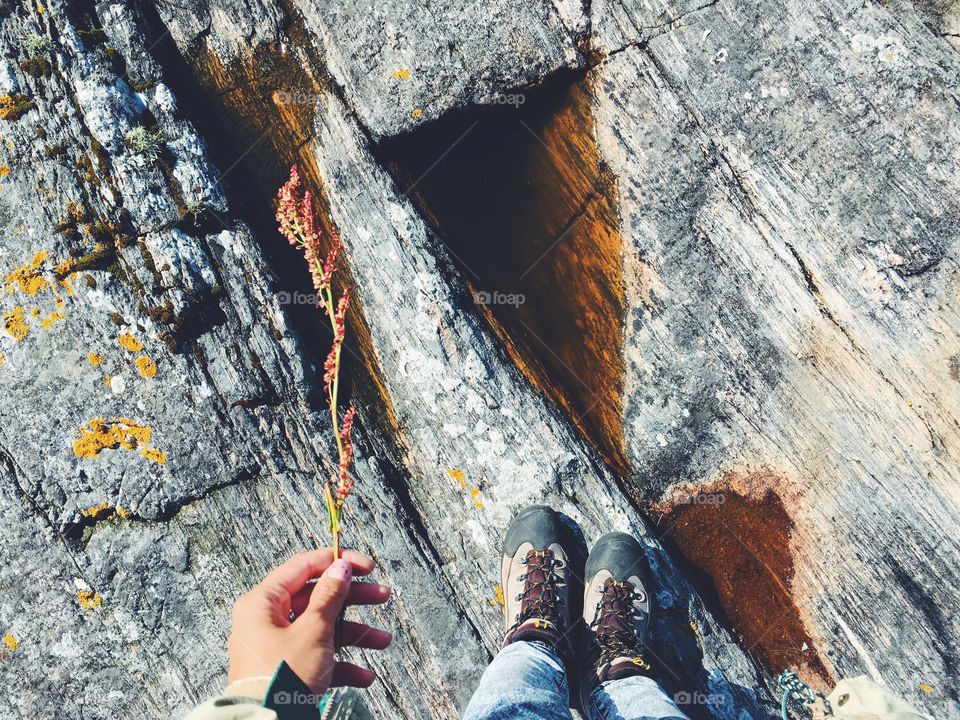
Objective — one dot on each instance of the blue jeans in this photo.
(527, 680)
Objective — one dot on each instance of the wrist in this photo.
(251, 687)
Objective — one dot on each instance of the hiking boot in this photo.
(535, 577)
(616, 612)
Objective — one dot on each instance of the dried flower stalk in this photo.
(298, 225)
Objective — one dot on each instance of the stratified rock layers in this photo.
(769, 204)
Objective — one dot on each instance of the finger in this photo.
(362, 593)
(364, 636)
(294, 573)
(328, 597)
(345, 673)
(359, 594)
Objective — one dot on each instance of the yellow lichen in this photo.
(926, 688)
(104, 511)
(4, 170)
(10, 640)
(15, 324)
(108, 379)
(497, 596)
(88, 599)
(13, 107)
(461, 479)
(458, 475)
(27, 277)
(95, 359)
(129, 343)
(50, 319)
(154, 455)
(64, 268)
(477, 498)
(117, 433)
(416, 113)
(66, 285)
(3, 359)
(400, 74)
(146, 366)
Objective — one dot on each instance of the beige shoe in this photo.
(616, 612)
(535, 576)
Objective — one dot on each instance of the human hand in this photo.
(263, 634)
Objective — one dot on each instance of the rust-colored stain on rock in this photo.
(265, 104)
(739, 547)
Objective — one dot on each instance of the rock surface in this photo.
(791, 230)
(786, 184)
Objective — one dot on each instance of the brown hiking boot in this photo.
(616, 612)
(535, 578)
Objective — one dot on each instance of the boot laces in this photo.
(615, 622)
(540, 599)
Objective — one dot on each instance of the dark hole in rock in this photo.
(517, 191)
(253, 140)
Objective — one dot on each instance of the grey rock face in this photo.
(792, 228)
(402, 64)
(787, 187)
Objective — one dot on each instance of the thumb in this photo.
(329, 596)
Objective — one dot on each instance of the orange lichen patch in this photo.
(104, 511)
(736, 533)
(129, 343)
(63, 269)
(146, 366)
(154, 455)
(27, 278)
(4, 170)
(95, 359)
(535, 225)
(13, 107)
(115, 434)
(15, 323)
(477, 498)
(400, 74)
(10, 640)
(52, 318)
(458, 476)
(88, 599)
